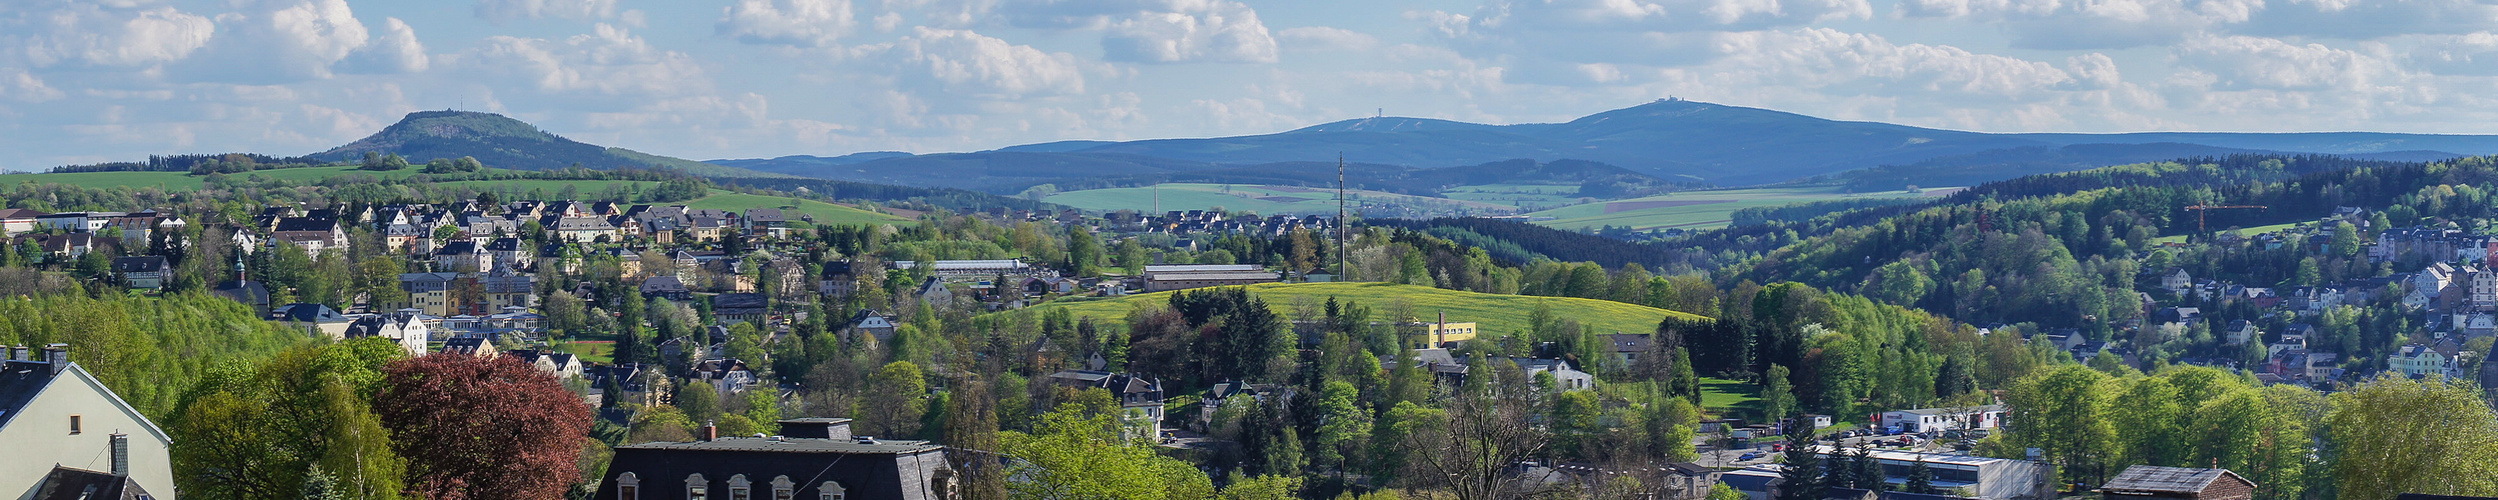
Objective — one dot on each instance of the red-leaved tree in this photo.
(476, 428)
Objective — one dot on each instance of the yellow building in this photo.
(1442, 333)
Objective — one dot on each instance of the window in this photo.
(739, 489)
(77, 424)
(782, 489)
(628, 487)
(832, 491)
(697, 488)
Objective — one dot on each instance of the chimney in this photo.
(8, 353)
(709, 432)
(19, 353)
(121, 455)
(58, 356)
(1440, 335)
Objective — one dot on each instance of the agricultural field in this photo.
(1729, 398)
(1699, 209)
(1269, 200)
(586, 188)
(1525, 196)
(1494, 314)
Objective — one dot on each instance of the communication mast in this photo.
(1343, 226)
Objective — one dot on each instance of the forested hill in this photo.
(504, 142)
(2061, 250)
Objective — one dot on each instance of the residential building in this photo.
(737, 307)
(18, 220)
(316, 319)
(2177, 281)
(404, 327)
(665, 287)
(2484, 289)
(430, 292)
(2147, 481)
(67, 432)
(315, 235)
(583, 229)
(870, 323)
(505, 291)
(1965, 475)
(145, 271)
(463, 256)
(966, 270)
(1140, 398)
(1688, 481)
(471, 345)
(2240, 331)
(766, 221)
(2423, 360)
(814, 458)
(563, 365)
(1628, 347)
(1943, 419)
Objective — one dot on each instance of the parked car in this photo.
(1747, 457)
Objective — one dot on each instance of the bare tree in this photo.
(1472, 448)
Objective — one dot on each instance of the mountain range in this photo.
(1670, 138)
(502, 142)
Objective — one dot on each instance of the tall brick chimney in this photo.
(710, 432)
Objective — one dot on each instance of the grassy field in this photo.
(1728, 398)
(1517, 195)
(824, 213)
(2247, 231)
(1698, 209)
(1268, 200)
(1495, 314)
(592, 351)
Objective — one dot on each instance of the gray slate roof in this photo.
(2150, 479)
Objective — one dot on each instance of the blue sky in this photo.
(99, 80)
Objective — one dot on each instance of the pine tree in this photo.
(1920, 478)
(320, 485)
(1803, 472)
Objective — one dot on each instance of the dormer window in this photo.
(697, 488)
(628, 487)
(832, 491)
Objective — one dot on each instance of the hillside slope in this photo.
(503, 142)
(1493, 314)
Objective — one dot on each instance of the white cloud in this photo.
(18, 85)
(2058, 24)
(2473, 54)
(1191, 31)
(501, 11)
(282, 41)
(2244, 62)
(1820, 57)
(1317, 38)
(1513, 16)
(94, 34)
(610, 61)
(395, 51)
(961, 61)
(806, 23)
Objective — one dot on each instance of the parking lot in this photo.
(1930, 442)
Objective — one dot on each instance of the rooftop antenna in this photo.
(1380, 113)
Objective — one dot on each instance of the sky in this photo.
(111, 80)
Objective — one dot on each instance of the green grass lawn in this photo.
(96, 180)
(824, 213)
(2247, 231)
(592, 351)
(1269, 200)
(1494, 314)
(1698, 209)
(1728, 398)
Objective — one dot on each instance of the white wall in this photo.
(39, 437)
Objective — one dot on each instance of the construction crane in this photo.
(2203, 210)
